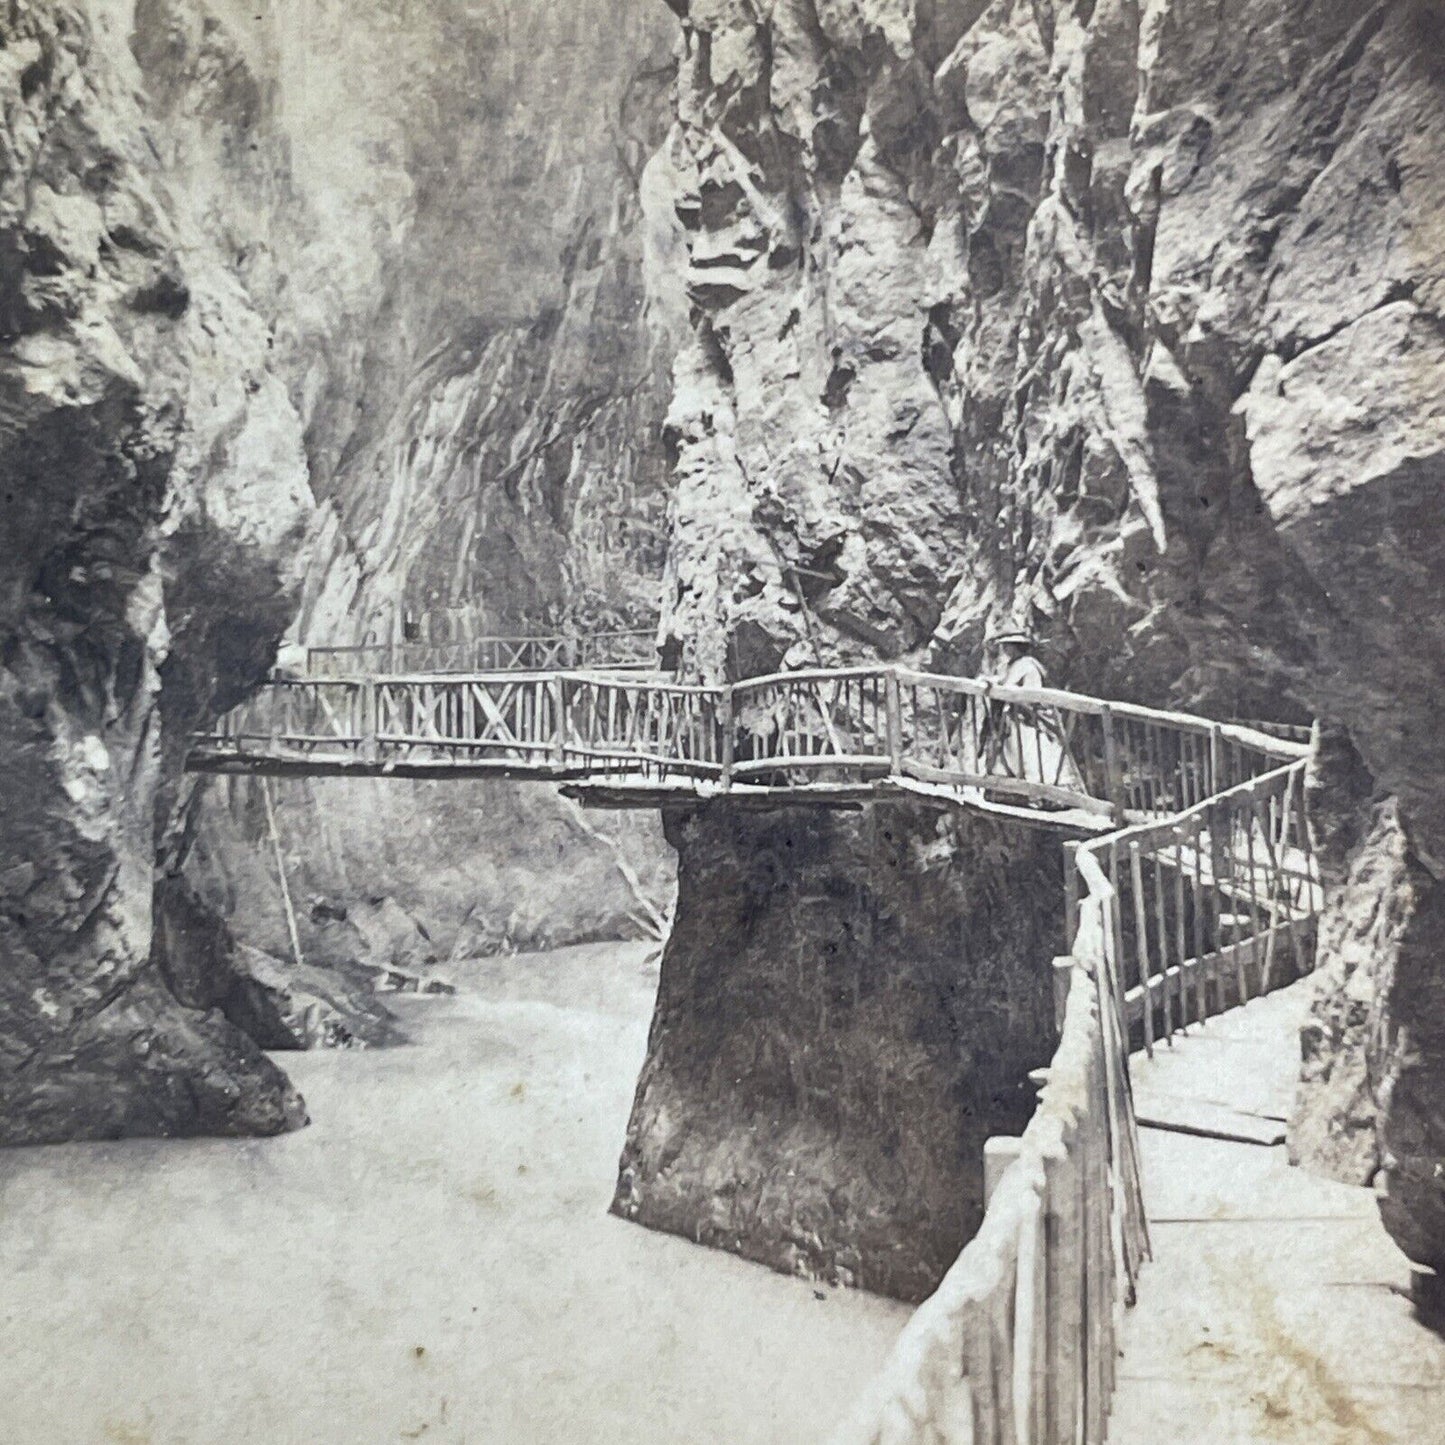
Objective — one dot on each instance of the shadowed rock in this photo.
(849, 1005)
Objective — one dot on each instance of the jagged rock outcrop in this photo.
(850, 1005)
(281, 1005)
(1120, 319)
(155, 490)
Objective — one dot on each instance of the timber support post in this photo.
(893, 704)
(728, 738)
(292, 932)
(998, 1153)
(1113, 776)
(370, 721)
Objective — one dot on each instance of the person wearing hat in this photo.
(1020, 667)
(1025, 740)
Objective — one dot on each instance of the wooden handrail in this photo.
(976, 1360)
(888, 722)
(978, 1353)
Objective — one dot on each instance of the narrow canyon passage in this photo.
(431, 1260)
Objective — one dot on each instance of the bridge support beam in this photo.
(850, 1005)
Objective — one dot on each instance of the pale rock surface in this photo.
(441, 210)
(1121, 320)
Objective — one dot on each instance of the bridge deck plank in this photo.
(1276, 1308)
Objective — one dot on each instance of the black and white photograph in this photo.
(722, 722)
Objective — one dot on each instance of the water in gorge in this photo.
(431, 1259)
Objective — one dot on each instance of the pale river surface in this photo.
(432, 1259)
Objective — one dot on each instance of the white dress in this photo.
(1029, 738)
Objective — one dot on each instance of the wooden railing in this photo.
(622, 651)
(1170, 922)
(1039, 748)
(1211, 907)
(1017, 1345)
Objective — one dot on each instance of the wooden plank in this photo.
(1177, 1115)
(1061, 821)
(1009, 786)
(810, 762)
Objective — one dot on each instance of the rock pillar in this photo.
(849, 1005)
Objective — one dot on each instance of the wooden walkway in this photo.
(1191, 890)
(835, 734)
(1276, 1310)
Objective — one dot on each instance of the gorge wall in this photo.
(1118, 319)
(444, 207)
(1121, 321)
(850, 1005)
(282, 339)
(156, 491)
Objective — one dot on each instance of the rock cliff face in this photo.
(1122, 320)
(248, 266)
(455, 268)
(849, 1007)
(155, 490)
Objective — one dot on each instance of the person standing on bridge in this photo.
(1020, 668)
(1022, 740)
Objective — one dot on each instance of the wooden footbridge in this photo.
(614, 651)
(836, 734)
(1191, 887)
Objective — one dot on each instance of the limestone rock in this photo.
(278, 1004)
(453, 273)
(849, 1006)
(143, 1065)
(1119, 320)
(143, 444)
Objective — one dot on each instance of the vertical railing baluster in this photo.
(1236, 902)
(371, 721)
(1116, 919)
(1255, 960)
(1155, 768)
(1306, 849)
(1141, 943)
(1163, 937)
(895, 722)
(1180, 946)
(1201, 1001)
(557, 686)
